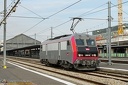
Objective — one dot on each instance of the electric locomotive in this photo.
(76, 50)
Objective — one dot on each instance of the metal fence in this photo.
(103, 55)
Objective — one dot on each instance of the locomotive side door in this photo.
(59, 49)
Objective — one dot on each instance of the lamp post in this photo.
(109, 33)
(4, 22)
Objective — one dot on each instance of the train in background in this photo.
(78, 51)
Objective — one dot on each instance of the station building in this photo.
(119, 43)
(21, 41)
(1, 47)
(22, 45)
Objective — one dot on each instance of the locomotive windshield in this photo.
(90, 42)
(79, 41)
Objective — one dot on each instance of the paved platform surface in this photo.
(15, 74)
(115, 60)
(119, 65)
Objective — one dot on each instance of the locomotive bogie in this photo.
(85, 64)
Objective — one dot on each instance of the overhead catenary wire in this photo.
(88, 12)
(64, 9)
(24, 17)
(52, 15)
(78, 16)
(2, 12)
(62, 23)
(53, 27)
(32, 12)
(104, 9)
(122, 10)
(65, 23)
(95, 18)
(71, 19)
(91, 10)
(97, 26)
(9, 12)
(39, 17)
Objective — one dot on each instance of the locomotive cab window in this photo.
(68, 43)
(90, 42)
(79, 41)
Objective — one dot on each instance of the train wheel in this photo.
(41, 61)
(67, 65)
(47, 63)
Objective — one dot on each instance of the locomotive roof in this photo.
(63, 37)
(58, 37)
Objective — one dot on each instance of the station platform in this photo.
(16, 75)
(117, 65)
(121, 60)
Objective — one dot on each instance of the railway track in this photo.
(93, 78)
(109, 75)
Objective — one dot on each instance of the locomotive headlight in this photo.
(80, 55)
(94, 54)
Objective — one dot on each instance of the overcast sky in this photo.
(31, 12)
